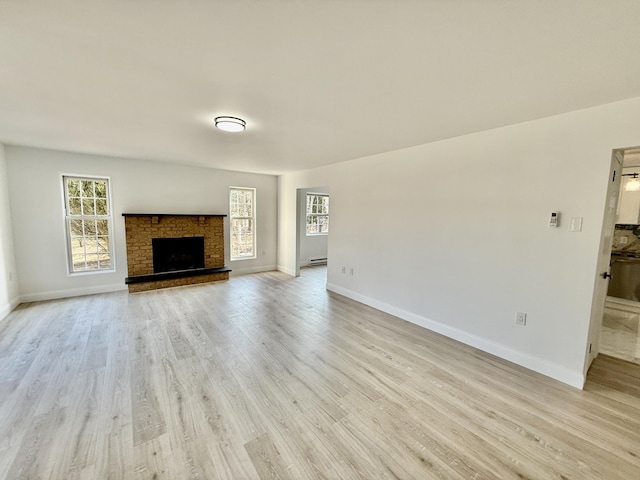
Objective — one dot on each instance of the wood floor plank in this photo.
(148, 418)
(231, 461)
(267, 459)
(268, 376)
(78, 429)
(35, 458)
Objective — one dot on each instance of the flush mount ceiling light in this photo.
(230, 124)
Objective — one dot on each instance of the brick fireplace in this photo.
(144, 232)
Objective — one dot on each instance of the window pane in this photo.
(89, 227)
(75, 206)
(233, 204)
(323, 224)
(105, 260)
(91, 262)
(79, 263)
(102, 227)
(91, 245)
(101, 189)
(88, 206)
(103, 244)
(325, 205)
(73, 188)
(87, 188)
(76, 227)
(312, 224)
(78, 252)
(101, 206)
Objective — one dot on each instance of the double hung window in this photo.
(317, 214)
(242, 206)
(88, 224)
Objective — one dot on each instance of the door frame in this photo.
(301, 205)
(604, 256)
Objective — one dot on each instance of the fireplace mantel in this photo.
(157, 217)
(174, 215)
(142, 228)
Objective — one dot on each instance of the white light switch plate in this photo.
(575, 224)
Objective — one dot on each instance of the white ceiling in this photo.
(318, 81)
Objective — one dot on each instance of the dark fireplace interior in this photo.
(172, 254)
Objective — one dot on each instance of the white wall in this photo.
(8, 277)
(137, 186)
(453, 235)
(312, 246)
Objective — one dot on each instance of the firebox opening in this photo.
(173, 254)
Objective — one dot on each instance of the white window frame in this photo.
(67, 223)
(237, 217)
(314, 194)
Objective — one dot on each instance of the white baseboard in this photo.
(72, 292)
(286, 270)
(76, 292)
(574, 378)
(623, 304)
(8, 308)
(244, 271)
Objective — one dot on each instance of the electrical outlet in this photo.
(351, 271)
(521, 318)
(344, 269)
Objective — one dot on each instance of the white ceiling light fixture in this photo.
(633, 184)
(230, 124)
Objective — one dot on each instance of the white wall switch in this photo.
(575, 224)
(521, 318)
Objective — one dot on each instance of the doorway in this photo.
(312, 227)
(620, 327)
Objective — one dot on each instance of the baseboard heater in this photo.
(317, 261)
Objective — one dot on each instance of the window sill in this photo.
(90, 272)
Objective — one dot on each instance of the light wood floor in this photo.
(266, 376)
(620, 331)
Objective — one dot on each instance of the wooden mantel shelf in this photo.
(174, 215)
